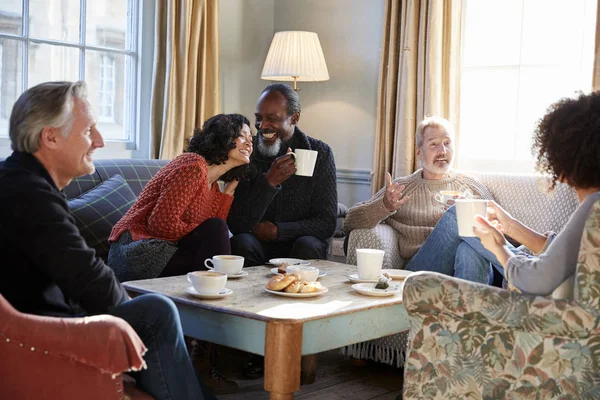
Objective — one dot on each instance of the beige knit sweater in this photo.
(415, 220)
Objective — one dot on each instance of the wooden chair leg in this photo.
(309, 369)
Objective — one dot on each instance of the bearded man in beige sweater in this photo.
(408, 205)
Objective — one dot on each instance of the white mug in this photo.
(305, 161)
(207, 282)
(230, 265)
(466, 209)
(443, 196)
(308, 274)
(369, 262)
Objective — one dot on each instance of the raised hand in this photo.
(282, 168)
(393, 198)
(229, 187)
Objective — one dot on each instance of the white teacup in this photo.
(230, 265)
(444, 196)
(207, 282)
(308, 274)
(305, 161)
(466, 209)
(369, 262)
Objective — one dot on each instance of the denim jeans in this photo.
(170, 374)
(446, 252)
(256, 252)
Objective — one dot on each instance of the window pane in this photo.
(10, 79)
(106, 23)
(488, 117)
(105, 74)
(52, 63)
(10, 16)
(54, 19)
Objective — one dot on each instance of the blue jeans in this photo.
(170, 374)
(446, 252)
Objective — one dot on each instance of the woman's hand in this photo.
(229, 187)
(499, 218)
(492, 239)
(393, 198)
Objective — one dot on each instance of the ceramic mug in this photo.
(207, 282)
(466, 209)
(230, 265)
(308, 274)
(305, 161)
(443, 196)
(369, 262)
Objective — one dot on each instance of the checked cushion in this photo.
(99, 209)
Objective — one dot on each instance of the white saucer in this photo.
(355, 279)
(225, 292)
(369, 289)
(321, 273)
(286, 294)
(289, 261)
(237, 276)
(397, 274)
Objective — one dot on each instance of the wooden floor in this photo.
(337, 378)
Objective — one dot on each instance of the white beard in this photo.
(437, 170)
(267, 150)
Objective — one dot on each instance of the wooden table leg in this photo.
(283, 354)
(309, 369)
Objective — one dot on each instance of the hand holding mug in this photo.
(491, 237)
(499, 218)
(393, 198)
(282, 168)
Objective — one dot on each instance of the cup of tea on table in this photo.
(207, 282)
(228, 264)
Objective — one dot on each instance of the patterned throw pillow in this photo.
(98, 210)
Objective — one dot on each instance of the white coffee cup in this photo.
(305, 161)
(369, 262)
(207, 282)
(466, 209)
(308, 274)
(444, 196)
(230, 265)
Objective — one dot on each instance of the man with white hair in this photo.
(408, 205)
(47, 265)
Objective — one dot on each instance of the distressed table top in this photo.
(250, 300)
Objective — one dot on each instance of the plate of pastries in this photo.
(292, 285)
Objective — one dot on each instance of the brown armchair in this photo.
(66, 358)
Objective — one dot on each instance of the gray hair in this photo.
(48, 104)
(433, 121)
(293, 100)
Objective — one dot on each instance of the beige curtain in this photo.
(419, 76)
(185, 88)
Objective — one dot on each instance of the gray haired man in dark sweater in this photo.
(276, 213)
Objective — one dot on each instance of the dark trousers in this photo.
(210, 238)
(256, 252)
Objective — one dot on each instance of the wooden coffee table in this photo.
(282, 329)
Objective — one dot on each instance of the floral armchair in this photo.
(471, 341)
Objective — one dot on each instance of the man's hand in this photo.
(281, 169)
(393, 198)
(229, 187)
(265, 231)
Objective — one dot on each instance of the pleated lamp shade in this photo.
(295, 55)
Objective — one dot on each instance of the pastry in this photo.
(293, 287)
(281, 281)
(281, 268)
(310, 287)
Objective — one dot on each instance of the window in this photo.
(95, 41)
(519, 57)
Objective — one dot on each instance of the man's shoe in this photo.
(218, 383)
(254, 368)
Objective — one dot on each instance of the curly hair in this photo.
(216, 138)
(567, 142)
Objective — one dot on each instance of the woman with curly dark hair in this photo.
(567, 146)
(178, 220)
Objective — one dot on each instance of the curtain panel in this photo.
(419, 76)
(185, 88)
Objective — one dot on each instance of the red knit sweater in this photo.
(175, 201)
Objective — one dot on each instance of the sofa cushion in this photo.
(98, 210)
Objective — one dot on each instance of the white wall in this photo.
(340, 111)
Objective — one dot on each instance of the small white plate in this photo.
(397, 274)
(321, 273)
(369, 289)
(225, 292)
(355, 279)
(236, 276)
(289, 261)
(286, 294)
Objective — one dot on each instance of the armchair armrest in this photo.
(382, 237)
(103, 342)
(428, 293)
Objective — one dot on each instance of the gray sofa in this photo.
(523, 196)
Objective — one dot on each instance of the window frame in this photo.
(140, 42)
